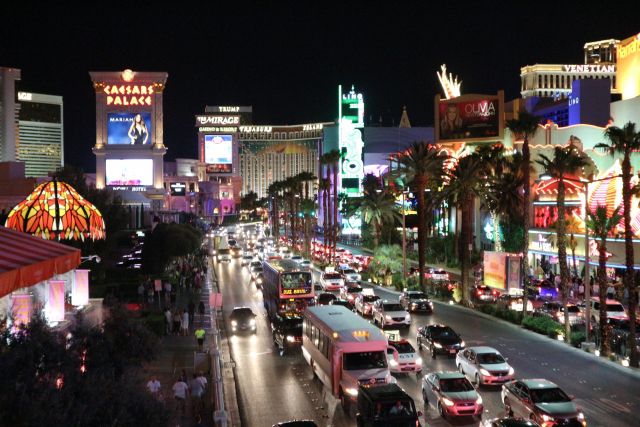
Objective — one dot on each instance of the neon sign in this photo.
(129, 94)
(217, 120)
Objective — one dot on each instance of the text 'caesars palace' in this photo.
(575, 102)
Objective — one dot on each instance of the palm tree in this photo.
(525, 126)
(305, 178)
(325, 188)
(573, 228)
(376, 209)
(625, 141)
(420, 166)
(274, 190)
(464, 186)
(333, 158)
(601, 227)
(307, 209)
(566, 161)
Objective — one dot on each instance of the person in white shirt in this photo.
(203, 380)
(184, 323)
(154, 386)
(180, 392)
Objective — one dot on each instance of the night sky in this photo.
(287, 60)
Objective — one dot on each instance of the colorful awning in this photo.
(27, 260)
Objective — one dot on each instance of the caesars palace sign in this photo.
(129, 94)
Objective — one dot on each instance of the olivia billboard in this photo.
(469, 118)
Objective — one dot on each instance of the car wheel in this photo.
(433, 352)
(346, 405)
(477, 380)
(419, 345)
(441, 411)
(461, 369)
(507, 408)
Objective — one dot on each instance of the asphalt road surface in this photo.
(274, 388)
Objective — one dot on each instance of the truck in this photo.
(386, 406)
(503, 271)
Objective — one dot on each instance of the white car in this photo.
(246, 259)
(402, 358)
(305, 263)
(349, 274)
(296, 258)
(387, 313)
(364, 302)
(331, 281)
(614, 310)
(484, 366)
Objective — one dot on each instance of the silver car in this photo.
(484, 366)
(451, 394)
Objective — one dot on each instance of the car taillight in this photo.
(479, 293)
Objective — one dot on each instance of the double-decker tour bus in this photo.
(345, 351)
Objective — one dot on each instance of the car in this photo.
(296, 423)
(438, 338)
(325, 298)
(254, 272)
(236, 251)
(619, 336)
(542, 401)
(349, 292)
(402, 358)
(483, 293)
(255, 263)
(545, 289)
(286, 330)
(305, 263)
(317, 288)
(349, 274)
(385, 405)
(436, 274)
(364, 303)
(484, 366)
(451, 394)
(614, 310)
(224, 255)
(387, 313)
(331, 281)
(555, 310)
(415, 301)
(342, 302)
(509, 422)
(513, 302)
(297, 258)
(246, 260)
(243, 319)
(285, 253)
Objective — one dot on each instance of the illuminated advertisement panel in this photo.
(218, 153)
(129, 128)
(469, 118)
(129, 172)
(628, 59)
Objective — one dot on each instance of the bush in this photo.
(577, 338)
(543, 325)
(487, 309)
(154, 321)
(413, 283)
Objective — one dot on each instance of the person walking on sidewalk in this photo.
(200, 334)
(184, 323)
(197, 391)
(168, 318)
(180, 393)
(192, 312)
(201, 311)
(154, 387)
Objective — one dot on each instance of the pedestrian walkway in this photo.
(178, 355)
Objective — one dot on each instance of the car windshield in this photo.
(223, 251)
(354, 289)
(548, 395)
(364, 360)
(370, 298)
(490, 358)
(242, 313)
(417, 295)
(393, 307)
(443, 332)
(256, 264)
(455, 385)
(573, 309)
(404, 347)
(332, 276)
(257, 269)
(348, 271)
(615, 307)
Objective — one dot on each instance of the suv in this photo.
(364, 303)
(415, 301)
(287, 332)
(439, 339)
(555, 310)
(483, 293)
(615, 310)
(386, 405)
(390, 313)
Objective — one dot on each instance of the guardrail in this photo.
(219, 412)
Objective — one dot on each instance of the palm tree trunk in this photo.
(573, 254)
(464, 249)
(628, 243)
(376, 235)
(526, 160)
(336, 225)
(562, 258)
(325, 228)
(602, 283)
(421, 183)
(275, 226)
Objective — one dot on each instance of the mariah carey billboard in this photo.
(470, 118)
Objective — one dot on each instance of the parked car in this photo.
(415, 301)
(483, 293)
(514, 302)
(484, 365)
(541, 401)
(451, 394)
(614, 310)
(364, 303)
(387, 313)
(555, 310)
(439, 338)
(402, 358)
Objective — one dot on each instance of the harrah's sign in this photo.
(127, 95)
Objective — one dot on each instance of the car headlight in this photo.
(414, 305)
(393, 363)
(462, 344)
(447, 401)
(387, 317)
(546, 417)
(485, 372)
(259, 280)
(437, 345)
(419, 361)
(580, 416)
(351, 391)
(511, 371)
(234, 323)
(291, 338)
(479, 400)
(252, 322)
(407, 317)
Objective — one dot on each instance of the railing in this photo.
(217, 397)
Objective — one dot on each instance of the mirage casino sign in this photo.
(129, 95)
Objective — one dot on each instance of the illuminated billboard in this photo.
(469, 117)
(218, 152)
(628, 60)
(129, 128)
(129, 172)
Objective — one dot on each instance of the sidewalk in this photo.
(178, 353)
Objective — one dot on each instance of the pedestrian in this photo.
(203, 380)
(184, 323)
(192, 311)
(167, 291)
(150, 293)
(197, 391)
(176, 321)
(168, 319)
(183, 376)
(201, 310)
(180, 393)
(154, 387)
(200, 334)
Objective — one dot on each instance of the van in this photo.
(386, 405)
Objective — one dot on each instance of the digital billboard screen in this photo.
(473, 119)
(129, 128)
(218, 152)
(129, 172)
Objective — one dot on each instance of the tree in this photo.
(602, 226)
(332, 160)
(274, 190)
(167, 241)
(325, 188)
(464, 185)
(625, 141)
(307, 210)
(249, 201)
(378, 208)
(525, 126)
(566, 161)
(422, 167)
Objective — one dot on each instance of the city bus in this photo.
(287, 288)
(344, 351)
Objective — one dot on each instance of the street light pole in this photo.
(587, 283)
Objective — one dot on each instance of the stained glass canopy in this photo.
(55, 211)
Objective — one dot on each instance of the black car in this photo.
(297, 423)
(386, 405)
(242, 319)
(287, 332)
(439, 339)
(342, 302)
(510, 422)
(325, 298)
(619, 336)
(416, 301)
